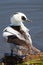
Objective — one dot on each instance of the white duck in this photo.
(21, 38)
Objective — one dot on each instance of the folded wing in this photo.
(8, 31)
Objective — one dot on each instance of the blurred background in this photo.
(34, 11)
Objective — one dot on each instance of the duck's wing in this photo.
(8, 31)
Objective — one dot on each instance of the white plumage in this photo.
(10, 31)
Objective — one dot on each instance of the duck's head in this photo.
(19, 17)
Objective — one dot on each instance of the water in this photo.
(34, 11)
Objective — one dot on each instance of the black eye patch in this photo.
(23, 18)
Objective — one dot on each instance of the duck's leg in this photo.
(11, 52)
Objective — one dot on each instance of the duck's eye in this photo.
(23, 18)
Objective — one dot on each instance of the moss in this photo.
(38, 62)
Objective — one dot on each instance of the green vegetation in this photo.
(32, 62)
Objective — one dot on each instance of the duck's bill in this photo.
(29, 20)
